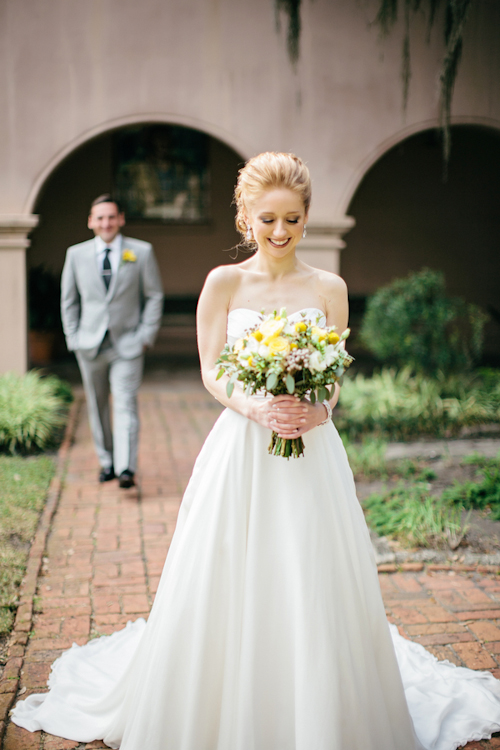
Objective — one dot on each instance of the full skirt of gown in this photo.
(268, 631)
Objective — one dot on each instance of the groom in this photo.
(111, 306)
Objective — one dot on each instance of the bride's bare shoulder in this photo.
(332, 291)
(222, 282)
(330, 284)
(224, 276)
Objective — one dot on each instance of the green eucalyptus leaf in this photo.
(272, 381)
(322, 393)
(290, 383)
(229, 389)
(220, 374)
(313, 398)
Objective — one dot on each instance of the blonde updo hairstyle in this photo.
(269, 171)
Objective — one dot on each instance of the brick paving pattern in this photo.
(107, 547)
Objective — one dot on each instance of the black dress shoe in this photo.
(126, 479)
(107, 475)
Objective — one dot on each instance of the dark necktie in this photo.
(106, 268)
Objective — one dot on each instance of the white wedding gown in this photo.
(268, 631)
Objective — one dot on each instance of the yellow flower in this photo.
(129, 256)
(249, 361)
(300, 327)
(258, 336)
(279, 345)
(319, 332)
(271, 328)
(333, 337)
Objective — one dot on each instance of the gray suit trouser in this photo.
(108, 373)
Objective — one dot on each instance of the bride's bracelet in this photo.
(328, 408)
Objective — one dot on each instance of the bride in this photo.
(268, 630)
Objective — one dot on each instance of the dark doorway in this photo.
(408, 216)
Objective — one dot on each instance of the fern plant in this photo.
(31, 411)
(402, 405)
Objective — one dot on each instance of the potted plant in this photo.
(44, 315)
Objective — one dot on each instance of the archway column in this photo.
(323, 243)
(14, 230)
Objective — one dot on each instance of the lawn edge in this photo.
(24, 617)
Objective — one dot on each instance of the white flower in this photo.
(329, 355)
(252, 344)
(316, 362)
(264, 351)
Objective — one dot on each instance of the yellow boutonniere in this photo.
(129, 256)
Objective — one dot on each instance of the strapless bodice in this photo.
(241, 319)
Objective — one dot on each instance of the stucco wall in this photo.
(73, 68)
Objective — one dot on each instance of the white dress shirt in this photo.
(114, 256)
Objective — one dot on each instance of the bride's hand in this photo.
(290, 417)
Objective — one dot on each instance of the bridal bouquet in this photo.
(279, 357)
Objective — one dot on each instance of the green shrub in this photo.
(415, 518)
(401, 405)
(412, 322)
(32, 411)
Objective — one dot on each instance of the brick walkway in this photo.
(106, 550)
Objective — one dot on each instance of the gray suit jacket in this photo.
(130, 309)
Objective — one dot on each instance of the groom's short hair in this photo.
(106, 198)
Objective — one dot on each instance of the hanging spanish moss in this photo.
(292, 9)
(456, 13)
(455, 17)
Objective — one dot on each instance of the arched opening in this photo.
(408, 216)
(177, 183)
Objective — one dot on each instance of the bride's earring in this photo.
(304, 233)
(249, 235)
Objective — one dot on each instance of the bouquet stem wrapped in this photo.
(278, 357)
(286, 447)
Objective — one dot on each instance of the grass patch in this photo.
(481, 494)
(403, 405)
(415, 518)
(409, 513)
(24, 483)
(367, 460)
